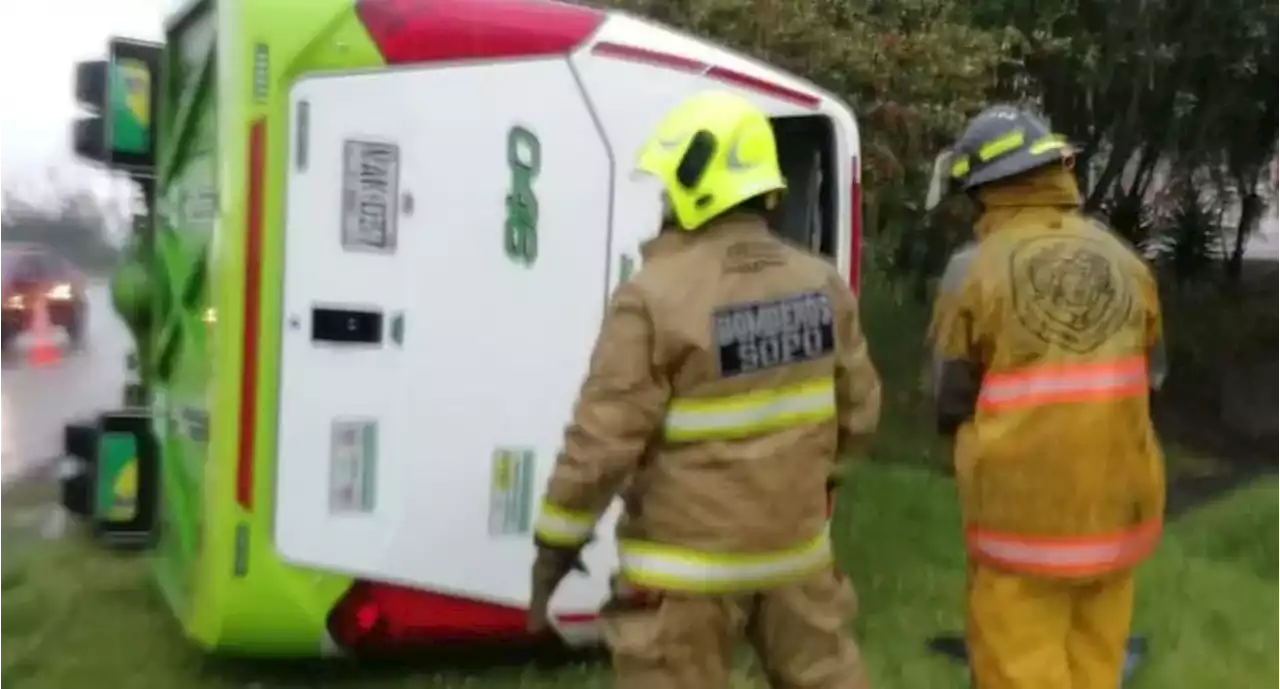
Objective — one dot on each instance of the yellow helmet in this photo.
(711, 153)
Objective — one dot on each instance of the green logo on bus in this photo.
(520, 234)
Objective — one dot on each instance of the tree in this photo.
(1157, 94)
(1239, 110)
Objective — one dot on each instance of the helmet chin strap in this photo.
(976, 200)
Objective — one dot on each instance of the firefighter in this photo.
(729, 375)
(1047, 344)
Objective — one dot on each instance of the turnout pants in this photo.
(799, 631)
(1027, 632)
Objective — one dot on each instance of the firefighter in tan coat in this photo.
(1047, 337)
(729, 376)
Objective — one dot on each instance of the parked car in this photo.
(31, 274)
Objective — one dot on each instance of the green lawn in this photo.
(75, 616)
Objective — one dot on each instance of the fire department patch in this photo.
(756, 336)
(1069, 292)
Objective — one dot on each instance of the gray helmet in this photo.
(1001, 142)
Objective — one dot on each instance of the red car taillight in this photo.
(386, 618)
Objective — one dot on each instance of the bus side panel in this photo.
(184, 338)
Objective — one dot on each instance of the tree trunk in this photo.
(1118, 156)
(1251, 207)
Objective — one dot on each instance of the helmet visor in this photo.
(939, 180)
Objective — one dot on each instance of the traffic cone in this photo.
(43, 350)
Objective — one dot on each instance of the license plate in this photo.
(370, 190)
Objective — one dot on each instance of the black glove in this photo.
(551, 565)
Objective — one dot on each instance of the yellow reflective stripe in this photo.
(671, 568)
(1003, 144)
(1000, 145)
(1048, 143)
(738, 416)
(558, 526)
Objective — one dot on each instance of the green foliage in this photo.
(1159, 95)
(1191, 238)
(895, 323)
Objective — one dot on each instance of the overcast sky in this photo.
(40, 42)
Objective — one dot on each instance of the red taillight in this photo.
(855, 227)
(252, 297)
(386, 618)
(408, 31)
(366, 618)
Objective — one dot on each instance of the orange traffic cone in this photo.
(43, 350)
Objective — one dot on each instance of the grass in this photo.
(77, 616)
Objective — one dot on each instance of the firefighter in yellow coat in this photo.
(1047, 337)
(729, 375)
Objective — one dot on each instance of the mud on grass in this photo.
(77, 616)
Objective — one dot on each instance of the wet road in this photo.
(39, 400)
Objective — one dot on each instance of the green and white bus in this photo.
(383, 236)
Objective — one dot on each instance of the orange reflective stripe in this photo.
(1059, 384)
(1065, 557)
